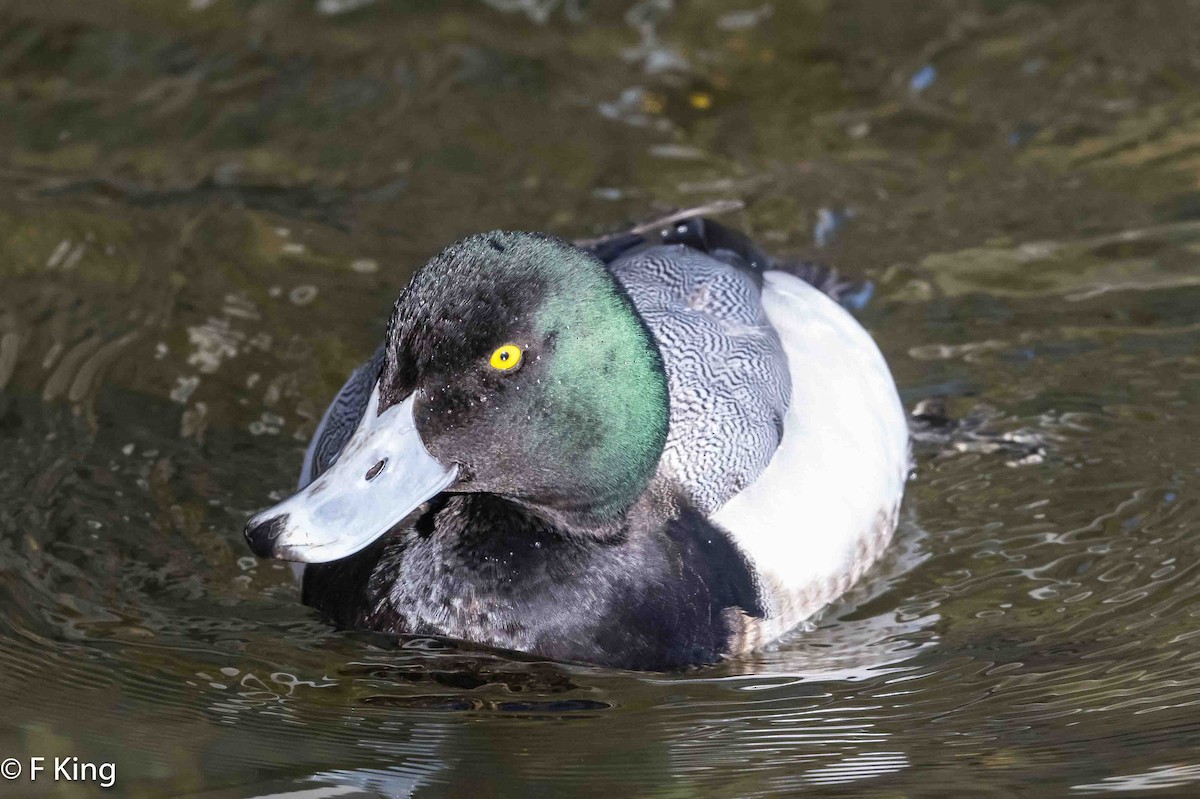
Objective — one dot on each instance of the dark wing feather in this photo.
(340, 419)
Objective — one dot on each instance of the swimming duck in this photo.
(656, 451)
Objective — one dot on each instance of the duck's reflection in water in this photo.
(805, 713)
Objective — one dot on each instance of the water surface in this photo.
(207, 207)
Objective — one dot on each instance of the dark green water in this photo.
(207, 207)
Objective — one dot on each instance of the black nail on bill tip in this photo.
(261, 537)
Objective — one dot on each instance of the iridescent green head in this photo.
(532, 372)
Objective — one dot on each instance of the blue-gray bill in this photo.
(383, 474)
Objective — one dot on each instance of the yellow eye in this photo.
(506, 357)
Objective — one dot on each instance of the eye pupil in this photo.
(504, 355)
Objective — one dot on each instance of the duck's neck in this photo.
(602, 525)
(466, 550)
(483, 531)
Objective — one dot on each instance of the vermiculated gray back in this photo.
(726, 370)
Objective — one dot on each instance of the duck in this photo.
(652, 451)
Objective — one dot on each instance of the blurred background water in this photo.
(208, 206)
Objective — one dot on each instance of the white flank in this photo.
(825, 506)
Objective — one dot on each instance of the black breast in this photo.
(477, 568)
(672, 613)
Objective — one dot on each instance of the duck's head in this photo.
(515, 365)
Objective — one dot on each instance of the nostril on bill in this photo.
(374, 471)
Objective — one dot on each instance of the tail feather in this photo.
(847, 292)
